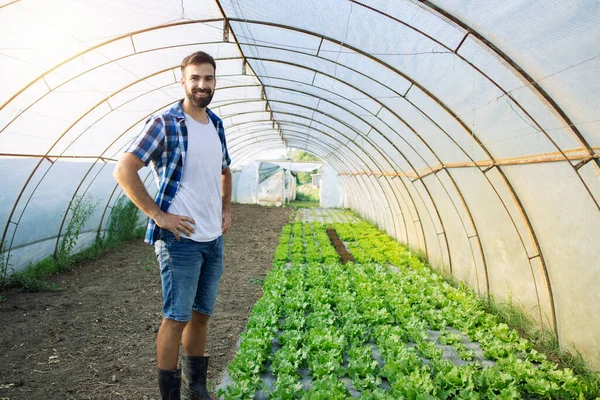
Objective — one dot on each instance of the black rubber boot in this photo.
(193, 380)
(169, 383)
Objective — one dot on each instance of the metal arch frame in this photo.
(252, 129)
(105, 100)
(416, 153)
(331, 154)
(288, 127)
(509, 61)
(396, 228)
(301, 138)
(9, 3)
(230, 58)
(369, 96)
(341, 145)
(464, 204)
(413, 82)
(258, 139)
(512, 191)
(334, 118)
(351, 129)
(474, 227)
(382, 135)
(507, 183)
(245, 62)
(375, 146)
(226, 20)
(296, 91)
(235, 58)
(469, 215)
(256, 134)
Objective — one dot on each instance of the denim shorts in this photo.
(190, 272)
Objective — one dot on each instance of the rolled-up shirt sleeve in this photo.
(148, 145)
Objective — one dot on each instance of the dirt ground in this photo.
(94, 338)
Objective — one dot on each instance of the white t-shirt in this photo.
(200, 190)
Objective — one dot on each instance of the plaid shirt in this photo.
(163, 144)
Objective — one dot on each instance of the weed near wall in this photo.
(82, 207)
(122, 223)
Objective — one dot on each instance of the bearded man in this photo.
(186, 149)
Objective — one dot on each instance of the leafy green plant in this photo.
(81, 208)
(122, 223)
(122, 226)
(329, 313)
(30, 279)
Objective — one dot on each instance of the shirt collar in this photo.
(177, 111)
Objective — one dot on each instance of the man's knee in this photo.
(199, 318)
(172, 325)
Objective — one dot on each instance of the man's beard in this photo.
(201, 102)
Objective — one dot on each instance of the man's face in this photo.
(199, 83)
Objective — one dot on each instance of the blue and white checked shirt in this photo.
(163, 144)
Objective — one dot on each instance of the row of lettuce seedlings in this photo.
(331, 319)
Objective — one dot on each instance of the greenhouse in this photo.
(455, 252)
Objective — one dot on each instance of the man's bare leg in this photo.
(167, 343)
(194, 335)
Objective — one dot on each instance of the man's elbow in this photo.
(121, 171)
(127, 165)
(118, 172)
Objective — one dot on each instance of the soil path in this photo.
(94, 338)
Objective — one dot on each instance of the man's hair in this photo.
(198, 58)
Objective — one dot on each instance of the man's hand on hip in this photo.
(175, 224)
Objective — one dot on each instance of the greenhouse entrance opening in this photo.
(282, 182)
(308, 187)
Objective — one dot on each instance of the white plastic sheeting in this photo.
(467, 129)
(331, 191)
(275, 185)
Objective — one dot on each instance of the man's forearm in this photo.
(134, 188)
(226, 180)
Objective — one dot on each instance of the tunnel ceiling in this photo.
(442, 118)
